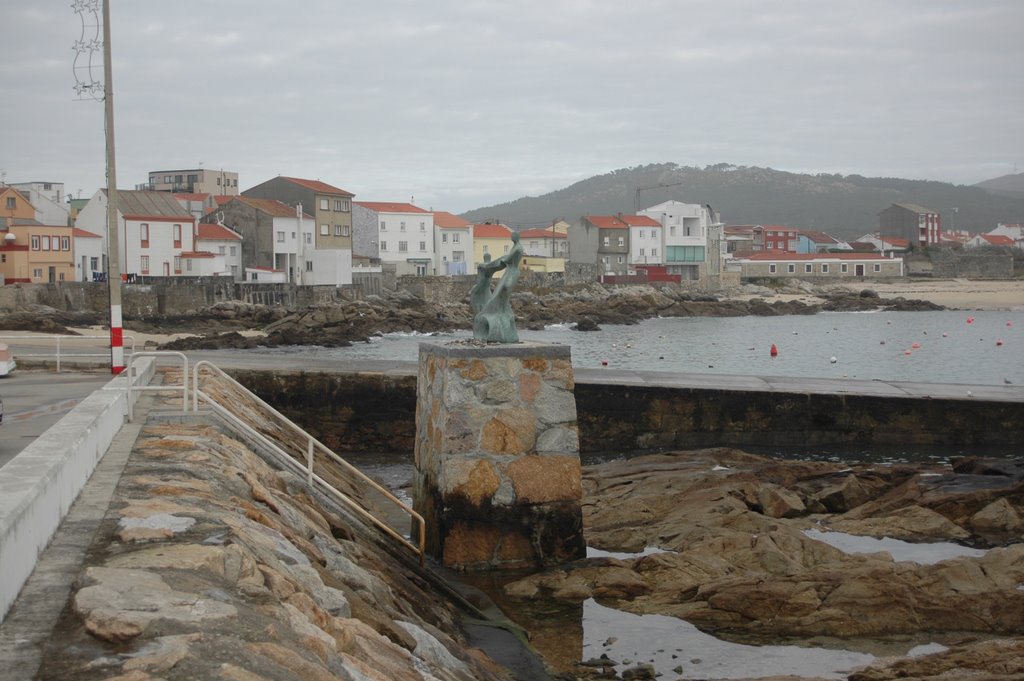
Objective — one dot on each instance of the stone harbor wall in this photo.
(949, 264)
(497, 455)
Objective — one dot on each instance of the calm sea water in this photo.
(935, 347)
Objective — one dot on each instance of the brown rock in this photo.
(998, 518)
(477, 480)
(510, 432)
(529, 386)
(778, 502)
(470, 544)
(287, 658)
(540, 479)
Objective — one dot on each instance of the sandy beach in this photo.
(958, 294)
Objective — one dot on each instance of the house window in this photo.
(12, 203)
(337, 205)
(808, 268)
(878, 267)
(293, 236)
(654, 252)
(383, 245)
(771, 268)
(423, 246)
(168, 179)
(642, 254)
(144, 234)
(233, 250)
(60, 276)
(607, 241)
(455, 238)
(844, 268)
(309, 238)
(337, 230)
(143, 264)
(65, 243)
(35, 242)
(325, 204)
(188, 264)
(640, 233)
(620, 259)
(255, 276)
(177, 264)
(37, 273)
(221, 250)
(325, 230)
(309, 265)
(94, 263)
(46, 243)
(177, 236)
(423, 226)
(622, 241)
(346, 230)
(403, 246)
(824, 268)
(280, 237)
(672, 230)
(444, 238)
(791, 268)
(401, 226)
(457, 256)
(534, 244)
(383, 226)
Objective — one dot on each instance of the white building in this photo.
(154, 231)
(644, 240)
(90, 254)
(224, 242)
(685, 236)
(405, 235)
(48, 199)
(453, 243)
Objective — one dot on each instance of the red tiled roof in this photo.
(388, 207)
(485, 231)
(779, 228)
(75, 231)
(605, 221)
(317, 186)
(221, 199)
(272, 207)
(216, 233)
(541, 234)
(639, 221)
(446, 220)
(895, 241)
(998, 239)
(818, 237)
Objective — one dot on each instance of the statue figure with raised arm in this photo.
(493, 320)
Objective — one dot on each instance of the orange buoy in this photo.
(774, 352)
(906, 352)
(915, 345)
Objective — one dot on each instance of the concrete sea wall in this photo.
(373, 412)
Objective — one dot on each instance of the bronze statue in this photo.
(493, 320)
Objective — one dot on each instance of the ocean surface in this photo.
(974, 348)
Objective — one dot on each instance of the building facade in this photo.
(331, 207)
(405, 235)
(90, 255)
(453, 244)
(920, 226)
(195, 181)
(49, 201)
(776, 264)
(224, 242)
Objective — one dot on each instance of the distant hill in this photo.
(1007, 185)
(845, 206)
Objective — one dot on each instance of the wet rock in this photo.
(586, 324)
(778, 502)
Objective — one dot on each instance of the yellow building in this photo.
(493, 240)
(32, 252)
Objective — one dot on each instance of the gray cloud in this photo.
(463, 104)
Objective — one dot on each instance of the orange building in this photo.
(30, 251)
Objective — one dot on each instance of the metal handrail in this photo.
(160, 388)
(312, 446)
(129, 342)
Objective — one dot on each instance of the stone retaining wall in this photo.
(373, 412)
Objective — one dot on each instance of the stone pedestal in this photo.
(497, 455)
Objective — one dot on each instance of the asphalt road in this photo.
(35, 400)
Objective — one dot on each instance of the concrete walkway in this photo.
(32, 618)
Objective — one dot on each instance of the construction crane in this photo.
(636, 196)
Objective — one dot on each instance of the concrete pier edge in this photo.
(39, 485)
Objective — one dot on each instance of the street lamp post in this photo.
(113, 250)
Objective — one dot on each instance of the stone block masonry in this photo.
(497, 455)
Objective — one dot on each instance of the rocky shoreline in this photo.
(587, 307)
(738, 562)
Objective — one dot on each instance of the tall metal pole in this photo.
(113, 249)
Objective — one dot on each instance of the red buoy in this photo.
(999, 341)
(915, 345)
(604, 362)
(774, 352)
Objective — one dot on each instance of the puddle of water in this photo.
(924, 554)
(599, 553)
(668, 643)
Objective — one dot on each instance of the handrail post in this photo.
(58, 354)
(128, 390)
(309, 461)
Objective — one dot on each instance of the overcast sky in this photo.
(466, 103)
